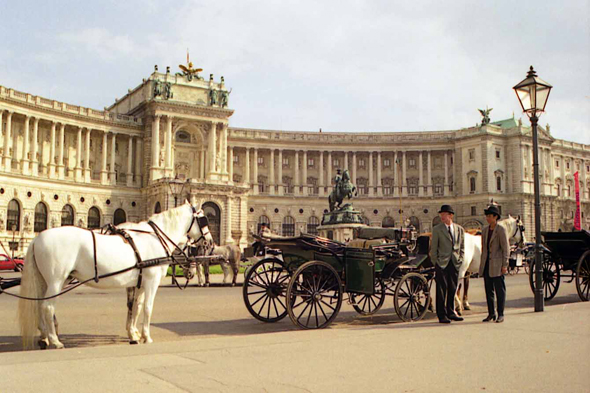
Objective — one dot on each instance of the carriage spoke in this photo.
(263, 304)
(259, 299)
(327, 305)
(317, 320)
(256, 293)
(323, 313)
(278, 299)
(304, 308)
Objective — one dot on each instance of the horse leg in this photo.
(225, 268)
(235, 272)
(458, 303)
(466, 305)
(43, 340)
(136, 306)
(132, 332)
(206, 268)
(48, 313)
(150, 294)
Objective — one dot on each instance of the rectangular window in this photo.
(285, 161)
(498, 154)
(567, 165)
(498, 183)
(438, 189)
(336, 163)
(362, 190)
(260, 160)
(412, 163)
(387, 162)
(361, 162)
(471, 154)
(386, 190)
(236, 159)
(310, 162)
(412, 190)
(474, 210)
(557, 163)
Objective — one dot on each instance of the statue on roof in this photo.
(188, 71)
(485, 113)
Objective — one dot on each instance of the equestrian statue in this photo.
(343, 188)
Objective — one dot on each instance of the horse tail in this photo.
(32, 285)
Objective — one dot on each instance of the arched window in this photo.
(213, 214)
(288, 226)
(67, 215)
(40, 217)
(312, 225)
(93, 218)
(387, 222)
(183, 137)
(158, 208)
(119, 217)
(415, 222)
(13, 219)
(262, 220)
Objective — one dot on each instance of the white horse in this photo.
(472, 260)
(230, 263)
(61, 253)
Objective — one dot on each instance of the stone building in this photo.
(168, 140)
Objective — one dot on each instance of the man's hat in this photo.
(263, 224)
(446, 209)
(492, 209)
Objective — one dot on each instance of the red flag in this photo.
(577, 217)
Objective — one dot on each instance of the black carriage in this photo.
(310, 275)
(564, 255)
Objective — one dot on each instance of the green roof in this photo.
(507, 123)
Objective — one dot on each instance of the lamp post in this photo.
(532, 94)
(176, 189)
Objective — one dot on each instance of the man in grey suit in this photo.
(447, 252)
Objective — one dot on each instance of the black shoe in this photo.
(500, 319)
(456, 318)
(444, 321)
(489, 318)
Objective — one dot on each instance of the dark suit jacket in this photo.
(442, 250)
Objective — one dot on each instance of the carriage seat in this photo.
(365, 243)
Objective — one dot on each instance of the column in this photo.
(3, 146)
(304, 180)
(280, 173)
(541, 173)
(346, 162)
(371, 177)
(130, 162)
(446, 193)
(379, 179)
(247, 168)
(271, 174)
(78, 168)
(113, 152)
(395, 175)
(51, 164)
(255, 172)
(138, 162)
(429, 174)
(7, 143)
(354, 168)
(452, 170)
(212, 149)
(25, 157)
(228, 239)
(296, 181)
(202, 164)
(168, 148)
(321, 176)
(104, 175)
(155, 169)
(421, 175)
(230, 161)
(329, 172)
(404, 179)
(87, 174)
(60, 157)
(223, 144)
(35, 147)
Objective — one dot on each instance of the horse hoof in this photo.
(466, 307)
(42, 344)
(207, 284)
(133, 342)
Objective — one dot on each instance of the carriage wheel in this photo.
(315, 295)
(369, 304)
(264, 290)
(412, 297)
(551, 276)
(583, 277)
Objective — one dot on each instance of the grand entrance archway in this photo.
(213, 214)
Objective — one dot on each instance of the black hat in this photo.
(263, 224)
(492, 209)
(446, 209)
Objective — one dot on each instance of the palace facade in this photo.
(168, 140)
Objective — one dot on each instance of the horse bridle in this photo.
(202, 222)
(519, 227)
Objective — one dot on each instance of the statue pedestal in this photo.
(339, 232)
(340, 224)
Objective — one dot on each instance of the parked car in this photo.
(7, 263)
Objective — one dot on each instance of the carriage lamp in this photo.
(176, 189)
(532, 94)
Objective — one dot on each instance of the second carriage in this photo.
(310, 277)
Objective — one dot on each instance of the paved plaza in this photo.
(205, 341)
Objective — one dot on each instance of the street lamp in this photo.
(532, 94)
(176, 189)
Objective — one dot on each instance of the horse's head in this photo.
(346, 176)
(199, 226)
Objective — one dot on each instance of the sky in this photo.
(342, 66)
